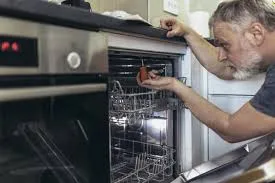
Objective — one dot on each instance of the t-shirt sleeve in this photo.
(264, 100)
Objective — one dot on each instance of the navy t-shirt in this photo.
(264, 100)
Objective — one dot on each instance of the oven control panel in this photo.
(31, 48)
(18, 51)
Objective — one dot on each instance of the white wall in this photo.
(151, 10)
(205, 5)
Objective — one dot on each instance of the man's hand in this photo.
(206, 53)
(157, 82)
(174, 27)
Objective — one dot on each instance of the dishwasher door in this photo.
(233, 164)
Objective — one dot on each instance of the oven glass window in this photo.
(54, 139)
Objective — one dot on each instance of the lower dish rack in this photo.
(138, 162)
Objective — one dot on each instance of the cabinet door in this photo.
(217, 146)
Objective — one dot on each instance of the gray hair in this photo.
(242, 12)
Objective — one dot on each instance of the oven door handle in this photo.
(49, 91)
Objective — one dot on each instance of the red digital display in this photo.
(9, 46)
(18, 51)
(5, 46)
(15, 47)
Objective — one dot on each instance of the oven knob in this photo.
(74, 60)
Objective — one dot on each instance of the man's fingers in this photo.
(146, 82)
(152, 82)
(154, 71)
(167, 23)
(172, 33)
(141, 83)
(163, 24)
(153, 74)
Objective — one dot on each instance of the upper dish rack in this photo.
(129, 103)
(133, 103)
(131, 99)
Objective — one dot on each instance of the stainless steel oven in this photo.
(53, 104)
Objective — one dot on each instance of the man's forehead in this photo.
(221, 30)
(221, 26)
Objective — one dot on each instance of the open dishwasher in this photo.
(142, 121)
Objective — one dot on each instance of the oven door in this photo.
(54, 129)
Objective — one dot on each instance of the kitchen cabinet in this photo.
(217, 86)
(229, 96)
(230, 104)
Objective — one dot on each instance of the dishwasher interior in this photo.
(142, 120)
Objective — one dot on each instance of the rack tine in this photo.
(156, 169)
(160, 166)
(157, 166)
(143, 157)
(139, 161)
(142, 160)
(136, 166)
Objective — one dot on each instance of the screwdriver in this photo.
(143, 72)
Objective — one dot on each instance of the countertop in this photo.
(37, 10)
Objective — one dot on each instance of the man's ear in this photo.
(256, 34)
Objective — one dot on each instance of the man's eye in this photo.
(225, 46)
(217, 43)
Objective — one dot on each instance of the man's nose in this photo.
(222, 55)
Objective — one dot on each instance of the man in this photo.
(245, 33)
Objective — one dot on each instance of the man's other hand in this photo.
(174, 27)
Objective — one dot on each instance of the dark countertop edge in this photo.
(40, 11)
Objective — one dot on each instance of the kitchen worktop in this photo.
(37, 10)
(42, 11)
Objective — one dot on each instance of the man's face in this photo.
(236, 51)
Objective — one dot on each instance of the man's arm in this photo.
(207, 55)
(242, 125)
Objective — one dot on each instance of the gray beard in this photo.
(252, 67)
(242, 74)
